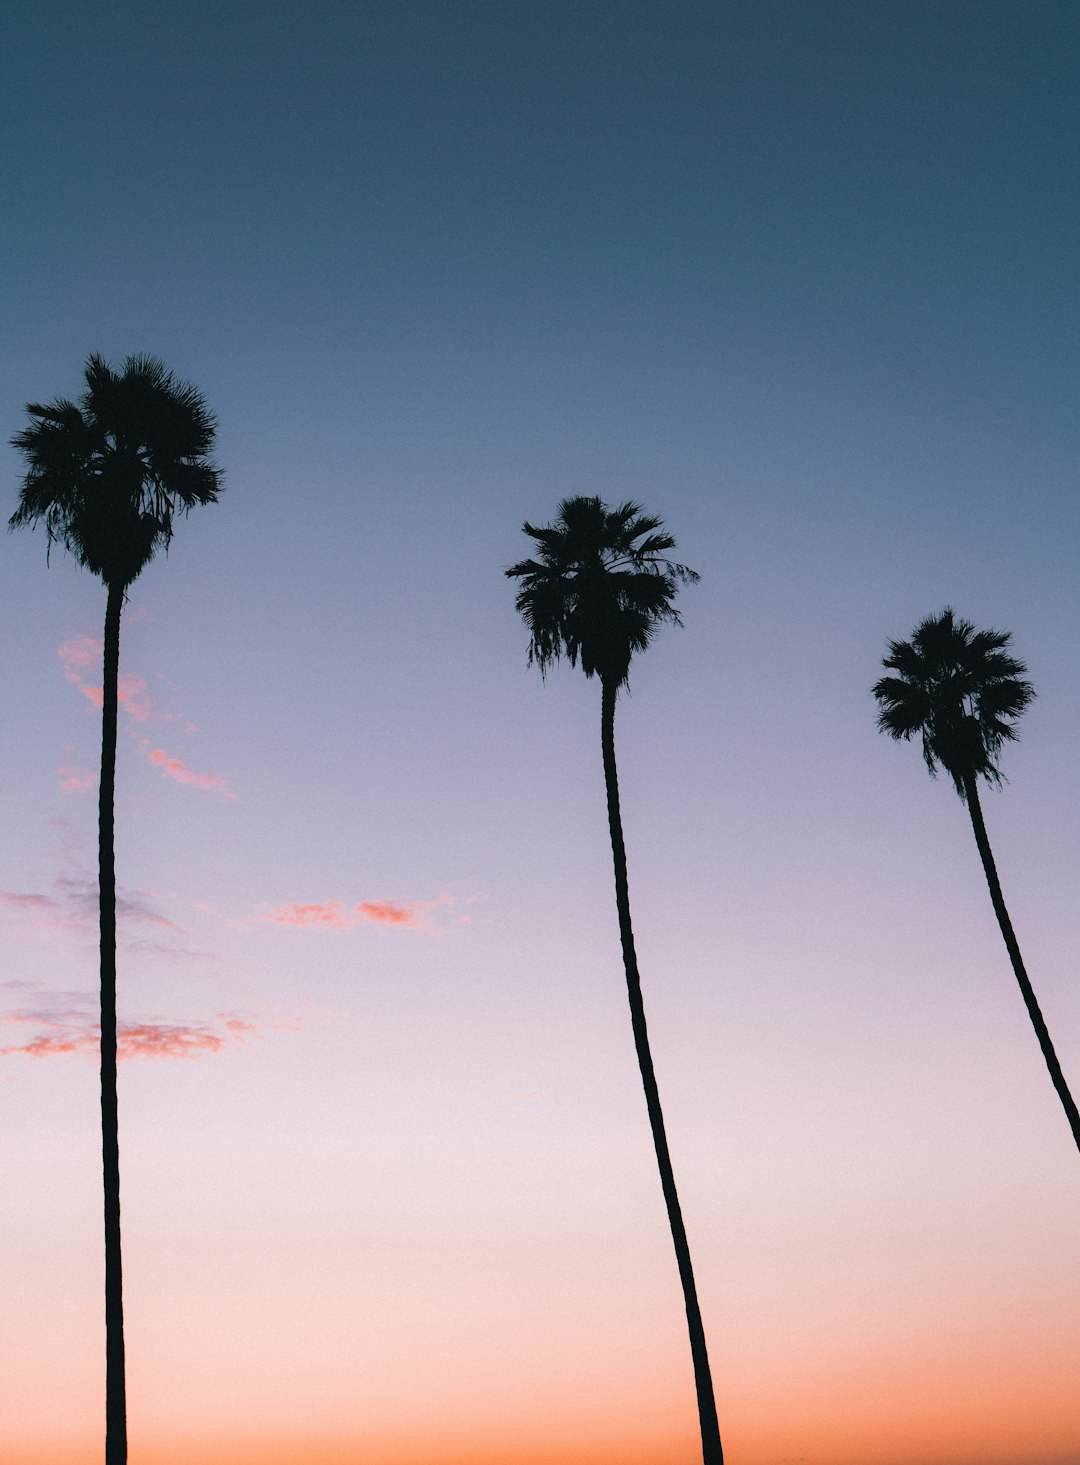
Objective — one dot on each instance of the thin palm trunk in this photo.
(115, 1389)
(712, 1451)
(1057, 1078)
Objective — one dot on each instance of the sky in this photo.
(801, 279)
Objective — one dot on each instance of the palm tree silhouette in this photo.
(598, 591)
(962, 692)
(105, 476)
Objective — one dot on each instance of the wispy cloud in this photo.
(61, 1033)
(15, 900)
(182, 1040)
(78, 654)
(133, 907)
(80, 657)
(386, 912)
(335, 915)
(177, 769)
(74, 906)
(75, 780)
(329, 915)
(131, 694)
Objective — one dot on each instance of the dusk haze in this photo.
(771, 307)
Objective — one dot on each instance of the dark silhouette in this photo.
(597, 592)
(105, 477)
(962, 692)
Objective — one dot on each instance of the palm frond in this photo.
(960, 690)
(599, 586)
(107, 475)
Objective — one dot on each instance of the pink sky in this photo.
(408, 1181)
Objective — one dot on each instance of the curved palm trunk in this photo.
(115, 1391)
(1057, 1078)
(712, 1452)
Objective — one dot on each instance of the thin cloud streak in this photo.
(76, 780)
(383, 910)
(75, 907)
(329, 915)
(134, 907)
(177, 769)
(77, 656)
(73, 1032)
(31, 902)
(332, 915)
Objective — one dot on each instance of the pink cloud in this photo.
(386, 911)
(48, 1045)
(179, 1040)
(331, 915)
(26, 902)
(76, 780)
(73, 1033)
(81, 653)
(178, 770)
(78, 655)
(131, 694)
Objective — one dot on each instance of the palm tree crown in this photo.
(599, 588)
(107, 474)
(960, 689)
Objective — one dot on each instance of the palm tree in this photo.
(962, 692)
(105, 476)
(598, 590)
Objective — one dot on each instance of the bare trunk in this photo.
(1057, 1078)
(712, 1451)
(115, 1391)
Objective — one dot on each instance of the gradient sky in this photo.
(802, 279)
